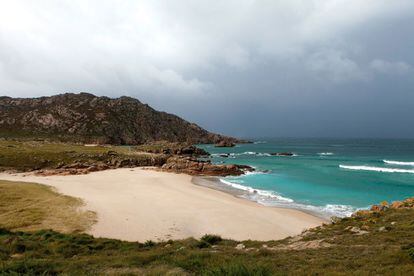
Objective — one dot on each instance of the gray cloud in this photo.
(250, 68)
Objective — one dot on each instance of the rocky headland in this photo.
(89, 119)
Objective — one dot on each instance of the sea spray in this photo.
(376, 169)
(399, 163)
(272, 199)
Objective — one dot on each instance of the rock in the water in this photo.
(224, 144)
(282, 153)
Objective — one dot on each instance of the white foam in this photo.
(269, 194)
(338, 210)
(253, 172)
(325, 153)
(328, 210)
(283, 155)
(376, 169)
(263, 154)
(270, 198)
(260, 142)
(233, 155)
(399, 163)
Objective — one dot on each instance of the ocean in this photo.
(329, 177)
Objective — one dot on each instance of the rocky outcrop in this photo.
(89, 119)
(282, 154)
(224, 144)
(383, 206)
(111, 161)
(172, 148)
(193, 166)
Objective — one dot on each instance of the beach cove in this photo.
(142, 204)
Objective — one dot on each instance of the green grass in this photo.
(160, 146)
(29, 206)
(387, 252)
(34, 155)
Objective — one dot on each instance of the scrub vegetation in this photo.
(380, 242)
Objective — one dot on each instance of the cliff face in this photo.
(87, 118)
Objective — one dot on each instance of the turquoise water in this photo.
(327, 176)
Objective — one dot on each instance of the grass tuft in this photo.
(29, 207)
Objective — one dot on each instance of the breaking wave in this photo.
(233, 155)
(399, 163)
(376, 169)
(271, 198)
(265, 193)
(325, 153)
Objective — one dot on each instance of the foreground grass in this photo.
(35, 155)
(29, 206)
(385, 248)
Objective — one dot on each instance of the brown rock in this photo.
(378, 208)
(224, 143)
(384, 204)
(282, 153)
(196, 167)
(362, 213)
(397, 204)
(89, 119)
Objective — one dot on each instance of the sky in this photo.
(280, 68)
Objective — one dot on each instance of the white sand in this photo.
(139, 205)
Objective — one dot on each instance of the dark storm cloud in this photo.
(249, 68)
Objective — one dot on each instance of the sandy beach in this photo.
(140, 204)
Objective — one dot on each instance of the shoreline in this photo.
(139, 204)
(213, 182)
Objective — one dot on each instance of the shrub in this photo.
(203, 244)
(211, 239)
(238, 269)
(149, 243)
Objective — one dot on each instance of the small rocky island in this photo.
(225, 144)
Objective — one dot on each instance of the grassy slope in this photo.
(29, 155)
(331, 249)
(29, 206)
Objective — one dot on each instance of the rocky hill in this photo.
(86, 118)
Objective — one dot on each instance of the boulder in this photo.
(224, 144)
(362, 213)
(193, 166)
(240, 246)
(378, 208)
(282, 153)
(397, 205)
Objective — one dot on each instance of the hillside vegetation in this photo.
(87, 118)
(35, 155)
(370, 244)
